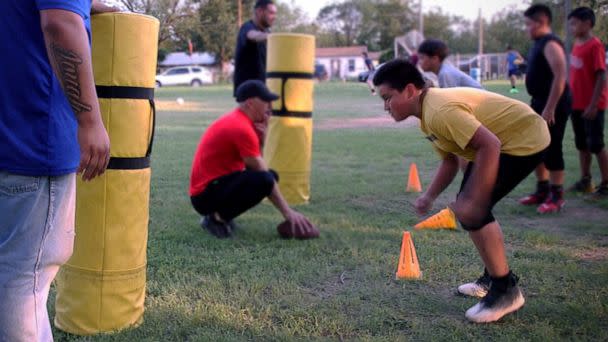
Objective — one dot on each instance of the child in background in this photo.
(431, 57)
(369, 64)
(589, 94)
(514, 60)
(547, 85)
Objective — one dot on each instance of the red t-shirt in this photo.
(586, 59)
(222, 149)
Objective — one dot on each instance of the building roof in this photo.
(348, 51)
(182, 58)
(375, 55)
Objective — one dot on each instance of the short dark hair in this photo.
(583, 14)
(509, 47)
(434, 47)
(536, 12)
(263, 3)
(397, 74)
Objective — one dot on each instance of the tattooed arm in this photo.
(68, 49)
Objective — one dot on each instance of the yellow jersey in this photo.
(450, 117)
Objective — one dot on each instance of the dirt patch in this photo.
(363, 123)
(393, 204)
(575, 213)
(174, 106)
(594, 254)
(332, 286)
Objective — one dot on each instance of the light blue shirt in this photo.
(451, 77)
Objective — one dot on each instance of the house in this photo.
(344, 62)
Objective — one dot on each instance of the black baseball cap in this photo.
(255, 88)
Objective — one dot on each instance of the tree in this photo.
(394, 19)
(342, 20)
(290, 18)
(217, 28)
(374, 23)
(439, 25)
(507, 28)
(175, 16)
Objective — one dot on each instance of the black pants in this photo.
(512, 170)
(554, 157)
(234, 194)
(588, 134)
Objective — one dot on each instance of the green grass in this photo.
(341, 286)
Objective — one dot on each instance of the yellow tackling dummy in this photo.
(102, 287)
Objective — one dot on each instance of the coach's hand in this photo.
(94, 148)
(300, 226)
(549, 116)
(261, 128)
(423, 204)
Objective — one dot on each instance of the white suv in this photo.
(192, 76)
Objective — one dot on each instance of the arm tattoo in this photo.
(67, 63)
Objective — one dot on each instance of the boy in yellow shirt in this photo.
(503, 138)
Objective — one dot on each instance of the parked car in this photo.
(364, 75)
(192, 76)
(320, 72)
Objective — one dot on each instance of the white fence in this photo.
(493, 65)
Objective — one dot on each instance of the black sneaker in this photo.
(497, 303)
(216, 228)
(478, 289)
(584, 185)
(601, 191)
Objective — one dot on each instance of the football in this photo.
(284, 230)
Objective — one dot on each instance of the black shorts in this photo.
(588, 134)
(554, 158)
(512, 170)
(514, 72)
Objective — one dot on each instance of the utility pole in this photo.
(240, 12)
(420, 18)
(480, 47)
(567, 9)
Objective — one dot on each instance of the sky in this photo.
(467, 8)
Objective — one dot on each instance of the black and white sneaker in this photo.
(501, 300)
(478, 289)
(218, 229)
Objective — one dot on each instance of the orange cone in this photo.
(444, 219)
(413, 182)
(408, 267)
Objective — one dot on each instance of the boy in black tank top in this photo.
(546, 83)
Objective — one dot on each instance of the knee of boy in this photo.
(473, 228)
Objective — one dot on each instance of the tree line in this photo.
(212, 25)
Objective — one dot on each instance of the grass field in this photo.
(341, 286)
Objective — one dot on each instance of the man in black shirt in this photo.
(546, 83)
(250, 59)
